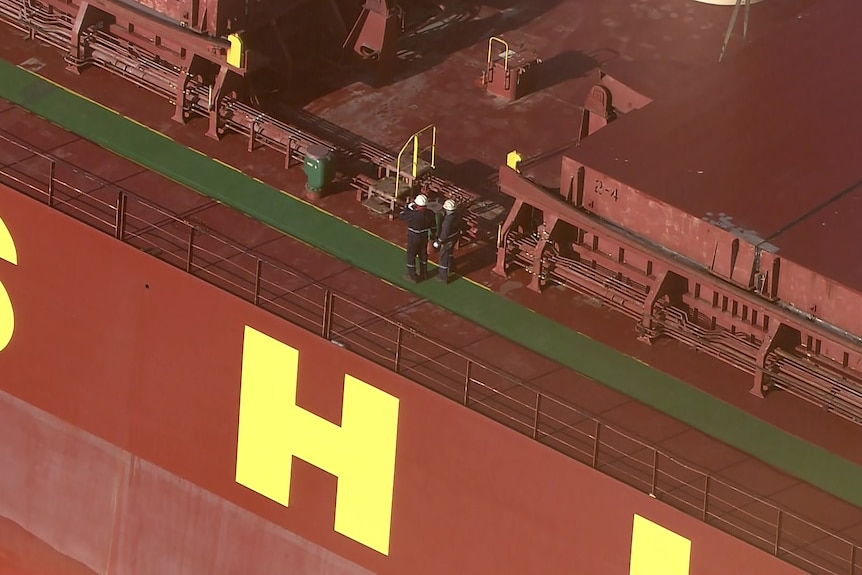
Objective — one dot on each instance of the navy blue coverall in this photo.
(420, 224)
(450, 231)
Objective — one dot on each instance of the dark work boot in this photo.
(410, 275)
(423, 271)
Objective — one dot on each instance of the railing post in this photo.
(51, 184)
(852, 559)
(191, 253)
(705, 516)
(596, 444)
(326, 331)
(120, 222)
(257, 274)
(778, 533)
(399, 339)
(467, 377)
(536, 416)
(654, 472)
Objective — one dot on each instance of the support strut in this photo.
(227, 82)
(88, 15)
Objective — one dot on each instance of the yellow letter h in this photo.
(360, 453)
(9, 254)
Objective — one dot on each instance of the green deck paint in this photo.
(363, 250)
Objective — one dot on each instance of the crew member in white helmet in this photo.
(421, 224)
(450, 232)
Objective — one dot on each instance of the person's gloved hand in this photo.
(436, 244)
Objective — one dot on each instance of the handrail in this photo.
(505, 44)
(414, 139)
(549, 420)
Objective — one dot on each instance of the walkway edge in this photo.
(353, 245)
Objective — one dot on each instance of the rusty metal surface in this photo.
(491, 393)
(664, 41)
(172, 404)
(185, 13)
(213, 18)
(758, 163)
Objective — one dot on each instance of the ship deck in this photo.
(785, 182)
(654, 46)
(226, 235)
(476, 132)
(579, 314)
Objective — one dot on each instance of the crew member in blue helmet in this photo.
(421, 224)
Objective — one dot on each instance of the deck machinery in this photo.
(724, 216)
(652, 238)
(195, 52)
(202, 55)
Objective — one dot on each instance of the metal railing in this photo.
(388, 342)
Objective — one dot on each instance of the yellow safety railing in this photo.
(417, 151)
(505, 52)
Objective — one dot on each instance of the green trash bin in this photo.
(319, 168)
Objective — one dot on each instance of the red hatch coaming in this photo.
(764, 158)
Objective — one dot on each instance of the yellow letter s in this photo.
(7, 316)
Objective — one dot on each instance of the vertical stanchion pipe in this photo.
(538, 409)
(326, 330)
(596, 442)
(120, 222)
(778, 533)
(191, 253)
(467, 377)
(399, 339)
(705, 515)
(51, 184)
(257, 274)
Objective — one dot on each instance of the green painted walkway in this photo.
(374, 255)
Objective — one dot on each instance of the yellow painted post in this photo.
(433, 146)
(415, 155)
(236, 51)
(513, 160)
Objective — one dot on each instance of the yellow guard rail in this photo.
(417, 151)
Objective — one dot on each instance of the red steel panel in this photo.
(661, 220)
(750, 159)
(182, 12)
(119, 514)
(216, 18)
(765, 155)
(149, 359)
(80, 527)
(822, 273)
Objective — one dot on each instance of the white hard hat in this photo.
(449, 205)
(421, 200)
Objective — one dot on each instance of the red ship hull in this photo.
(120, 414)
